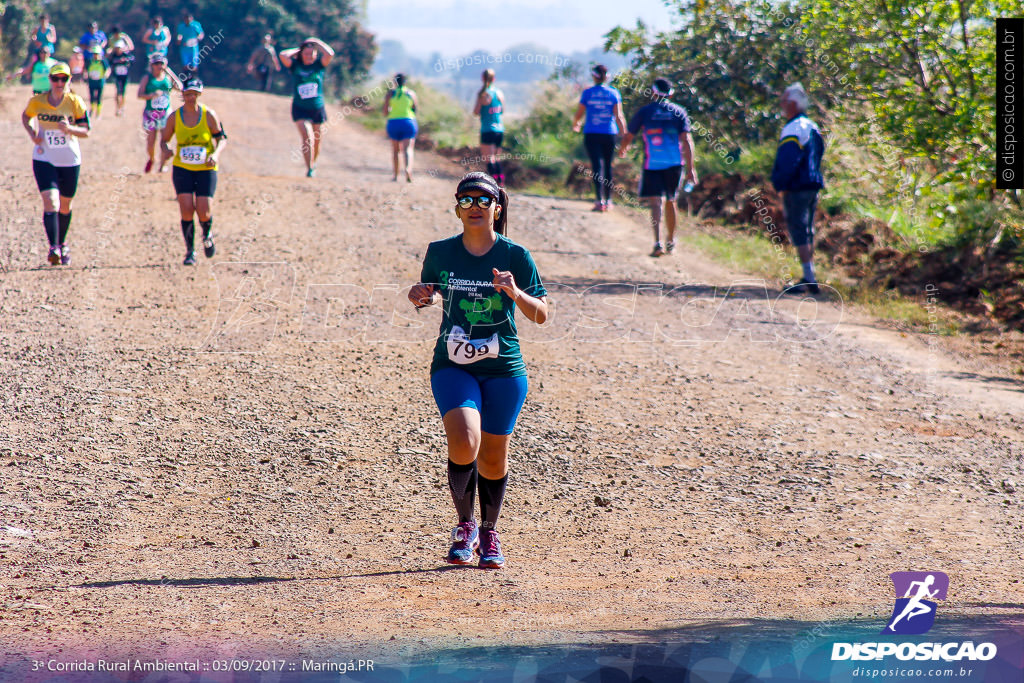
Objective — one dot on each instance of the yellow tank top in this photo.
(194, 144)
(401, 105)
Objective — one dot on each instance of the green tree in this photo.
(18, 18)
(925, 75)
(232, 30)
(729, 60)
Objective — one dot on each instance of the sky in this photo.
(457, 27)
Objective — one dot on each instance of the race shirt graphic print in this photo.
(478, 329)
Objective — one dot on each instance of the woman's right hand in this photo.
(422, 295)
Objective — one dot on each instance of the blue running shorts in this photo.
(497, 399)
(402, 129)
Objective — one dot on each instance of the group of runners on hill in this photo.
(56, 117)
(479, 277)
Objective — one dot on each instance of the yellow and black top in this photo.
(58, 148)
(195, 144)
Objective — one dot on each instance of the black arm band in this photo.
(220, 135)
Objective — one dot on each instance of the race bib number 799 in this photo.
(463, 350)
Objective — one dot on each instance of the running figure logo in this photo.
(914, 613)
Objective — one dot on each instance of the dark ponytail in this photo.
(501, 222)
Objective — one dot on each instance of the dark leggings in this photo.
(601, 149)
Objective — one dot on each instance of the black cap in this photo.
(478, 180)
(193, 83)
(662, 87)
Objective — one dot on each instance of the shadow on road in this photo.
(192, 582)
(1008, 383)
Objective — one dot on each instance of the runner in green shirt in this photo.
(307, 65)
(97, 72)
(400, 107)
(39, 69)
(478, 376)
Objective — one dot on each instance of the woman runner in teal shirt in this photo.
(478, 377)
(490, 105)
(307, 65)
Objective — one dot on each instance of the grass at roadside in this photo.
(545, 142)
(757, 255)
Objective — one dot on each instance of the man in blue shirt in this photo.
(190, 34)
(667, 146)
(602, 105)
(797, 176)
(92, 39)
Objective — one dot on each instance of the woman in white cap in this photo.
(155, 87)
(199, 139)
(121, 58)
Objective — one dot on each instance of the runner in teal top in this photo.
(478, 377)
(46, 34)
(39, 70)
(490, 105)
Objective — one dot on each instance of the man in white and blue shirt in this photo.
(797, 176)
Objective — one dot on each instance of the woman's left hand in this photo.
(211, 160)
(505, 283)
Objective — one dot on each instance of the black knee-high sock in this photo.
(490, 168)
(64, 222)
(462, 483)
(188, 231)
(492, 493)
(52, 227)
(207, 226)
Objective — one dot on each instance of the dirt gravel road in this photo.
(246, 453)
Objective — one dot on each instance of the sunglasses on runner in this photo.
(484, 202)
(59, 79)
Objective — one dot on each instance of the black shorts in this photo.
(64, 179)
(491, 137)
(121, 84)
(96, 90)
(799, 207)
(663, 182)
(199, 183)
(315, 115)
